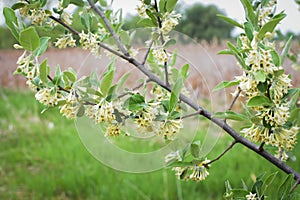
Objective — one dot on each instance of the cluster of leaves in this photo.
(260, 188)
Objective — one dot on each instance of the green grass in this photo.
(38, 161)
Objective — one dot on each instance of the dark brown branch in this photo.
(108, 25)
(261, 146)
(223, 153)
(295, 185)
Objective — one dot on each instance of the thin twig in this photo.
(65, 25)
(108, 25)
(235, 98)
(133, 89)
(295, 185)
(191, 115)
(147, 53)
(223, 153)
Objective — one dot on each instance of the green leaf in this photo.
(65, 3)
(230, 21)
(175, 94)
(124, 37)
(80, 111)
(171, 5)
(174, 58)
(147, 2)
(71, 76)
(268, 181)
(259, 101)
(257, 187)
(225, 84)
(225, 52)
(135, 102)
(146, 22)
(44, 71)
(11, 21)
(236, 53)
(249, 30)
(231, 115)
(239, 193)
(285, 187)
(18, 5)
(260, 76)
(286, 50)
(262, 87)
(122, 81)
(29, 39)
(79, 3)
(275, 58)
(271, 25)
(185, 70)
(250, 15)
(42, 47)
(195, 150)
(106, 81)
(162, 6)
(169, 43)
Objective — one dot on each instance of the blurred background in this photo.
(42, 157)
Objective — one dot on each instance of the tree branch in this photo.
(192, 114)
(223, 153)
(65, 25)
(108, 25)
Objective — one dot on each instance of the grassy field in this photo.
(42, 157)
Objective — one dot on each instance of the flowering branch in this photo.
(111, 30)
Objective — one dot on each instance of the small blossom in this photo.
(160, 55)
(70, 109)
(113, 130)
(90, 42)
(170, 128)
(47, 97)
(251, 196)
(170, 20)
(65, 41)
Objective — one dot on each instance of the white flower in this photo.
(251, 196)
(65, 41)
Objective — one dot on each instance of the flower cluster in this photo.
(102, 112)
(37, 16)
(65, 41)
(265, 78)
(71, 107)
(170, 128)
(266, 11)
(195, 172)
(160, 55)
(141, 9)
(90, 41)
(47, 97)
(27, 66)
(170, 20)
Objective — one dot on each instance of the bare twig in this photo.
(295, 185)
(192, 114)
(223, 153)
(147, 53)
(108, 25)
(235, 98)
